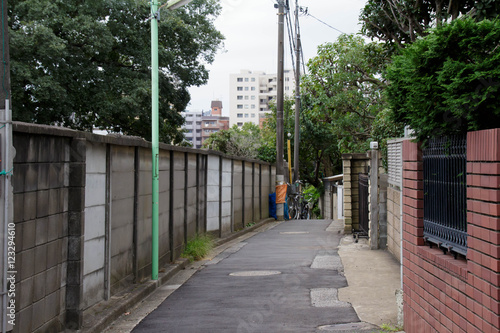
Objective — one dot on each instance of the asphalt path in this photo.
(284, 279)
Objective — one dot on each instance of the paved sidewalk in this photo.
(283, 277)
(373, 277)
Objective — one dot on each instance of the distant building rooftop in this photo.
(216, 104)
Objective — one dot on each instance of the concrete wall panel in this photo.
(74, 188)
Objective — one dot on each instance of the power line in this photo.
(308, 14)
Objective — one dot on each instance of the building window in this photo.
(189, 123)
(252, 98)
(246, 106)
(239, 124)
(246, 79)
(239, 115)
(246, 97)
(246, 88)
(239, 97)
(198, 123)
(246, 115)
(253, 115)
(240, 79)
(239, 106)
(253, 79)
(252, 106)
(253, 89)
(239, 88)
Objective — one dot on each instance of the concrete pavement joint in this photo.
(327, 262)
(326, 298)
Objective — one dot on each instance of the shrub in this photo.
(446, 83)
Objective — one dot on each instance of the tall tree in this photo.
(344, 88)
(82, 64)
(448, 82)
(399, 22)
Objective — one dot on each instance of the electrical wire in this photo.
(308, 14)
(291, 41)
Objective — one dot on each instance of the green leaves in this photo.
(85, 64)
(446, 83)
(344, 89)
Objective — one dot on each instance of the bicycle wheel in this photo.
(291, 208)
(297, 210)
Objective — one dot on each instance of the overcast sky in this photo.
(251, 31)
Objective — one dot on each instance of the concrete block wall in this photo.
(83, 215)
(123, 200)
(238, 195)
(41, 211)
(267, 187)
(226, 197)
(94, 268)
(213, 195)
(394, 221)
(442, 293)
(82, 208)
(248, 197)
(352, 165)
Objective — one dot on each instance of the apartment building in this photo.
(192, 127)
(251, 92)
(200, 125)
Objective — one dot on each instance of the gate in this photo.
(363, 205)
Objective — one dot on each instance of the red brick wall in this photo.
(441, 293)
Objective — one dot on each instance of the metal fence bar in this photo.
(445, 193)
(363, 203)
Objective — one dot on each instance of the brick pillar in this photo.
(76, 232)
(413, 230)
(483, 229)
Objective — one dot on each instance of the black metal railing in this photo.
(363, 204)
(445, 194)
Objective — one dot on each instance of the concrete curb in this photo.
(103, 314)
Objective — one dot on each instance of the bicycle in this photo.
(298, 208)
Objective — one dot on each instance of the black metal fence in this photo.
(363, 203)
(445, 194)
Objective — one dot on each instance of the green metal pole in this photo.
(154, 139)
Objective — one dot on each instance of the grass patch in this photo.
(198, 247)
(250, 224)
(390, 328)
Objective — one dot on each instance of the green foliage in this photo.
(318, 152)
(244, 142)
(385, 128)
(312, 194)
(198, 247)
(82, 64)
(344, 89)
(400, 22)
(447, 83)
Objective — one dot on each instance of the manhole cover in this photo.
(294, 232)
(255, 273)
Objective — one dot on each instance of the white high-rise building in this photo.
(250, 93)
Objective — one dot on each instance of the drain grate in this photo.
(255, 273)
(293, 232)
